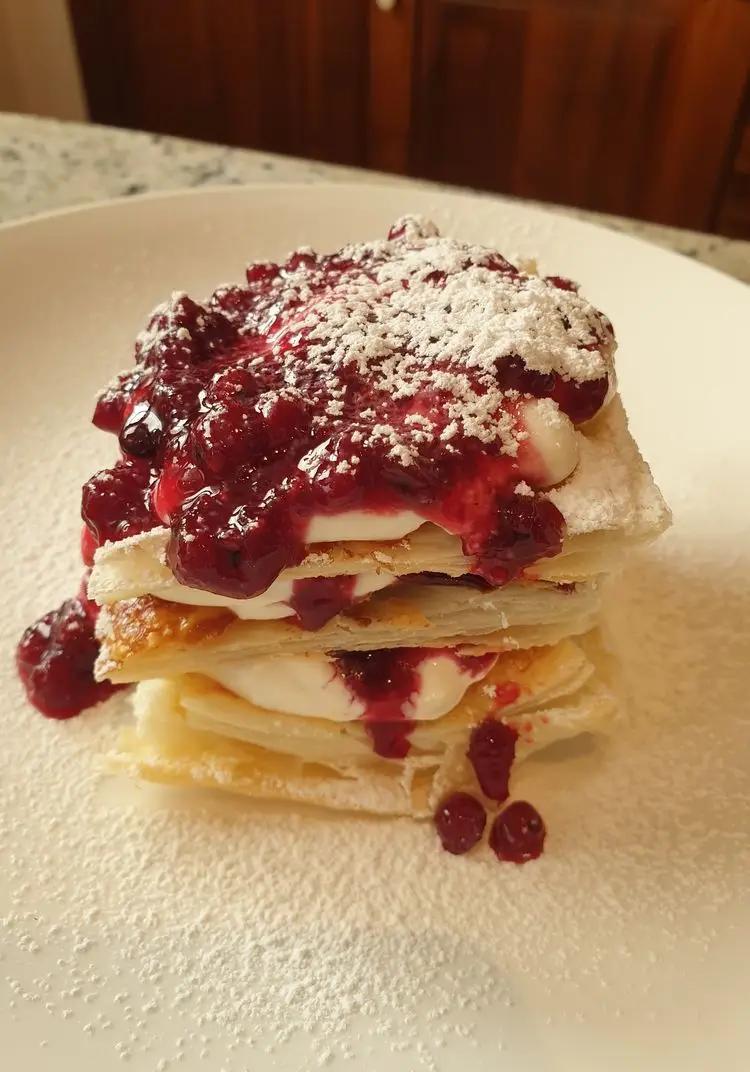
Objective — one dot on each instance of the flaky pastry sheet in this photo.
(191, 731)
(147, 637)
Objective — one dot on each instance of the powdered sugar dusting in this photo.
(421, 314)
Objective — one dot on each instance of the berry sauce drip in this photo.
(518, 833)
(55, 660)
(315, 600)
(386, 681)
(389, 376)
(460, 821)
(491, 752)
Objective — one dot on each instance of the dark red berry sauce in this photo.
(386, 680)
(317, 387)
(55, 660)
(315, 600)
(491, 752)
(460, 820)
(518, 833)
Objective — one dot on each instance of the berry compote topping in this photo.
(387, 681)
(518, 833)
(389, 376)
(316, 600)
(491, 752)
(55, 660)
(460, 820)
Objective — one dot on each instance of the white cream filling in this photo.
(308, 685)
(361, 525)
(271, 604)
(442, 685)
(550, 454)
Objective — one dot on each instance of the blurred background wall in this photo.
(635, 107)
(39, 71)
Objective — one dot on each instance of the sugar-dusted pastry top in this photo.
(408, 379)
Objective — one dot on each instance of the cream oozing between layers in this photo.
(310, 686)
(269, 605)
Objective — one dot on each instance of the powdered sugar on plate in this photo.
(155, 930)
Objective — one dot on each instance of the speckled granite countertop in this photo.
(46, 164)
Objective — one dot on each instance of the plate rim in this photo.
(545, 212)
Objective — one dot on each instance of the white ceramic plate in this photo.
(174, 932)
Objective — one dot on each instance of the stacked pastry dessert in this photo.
(353, 549)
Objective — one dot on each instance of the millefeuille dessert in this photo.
(352, 551)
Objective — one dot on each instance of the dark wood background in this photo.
(636, 107)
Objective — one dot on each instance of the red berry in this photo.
(232, 384)
(142, 432)
(525, 528)
(227, 436)
(55, 660)
(115, 502)
(580, 400)
(262, 272)
(518, 833)
(233, 550)
(460, 820)
(174, 396)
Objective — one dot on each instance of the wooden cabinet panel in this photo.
(626, 107)
(733, 209)
(391, 53)
(284, 75)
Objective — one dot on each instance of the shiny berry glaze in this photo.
(232, 437)
(460, 821)
(385, 681)
(518, 833)
(491, 752)
(316, 600)
(55, 660)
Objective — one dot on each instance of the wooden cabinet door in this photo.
(625, 106)
(284, 75)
